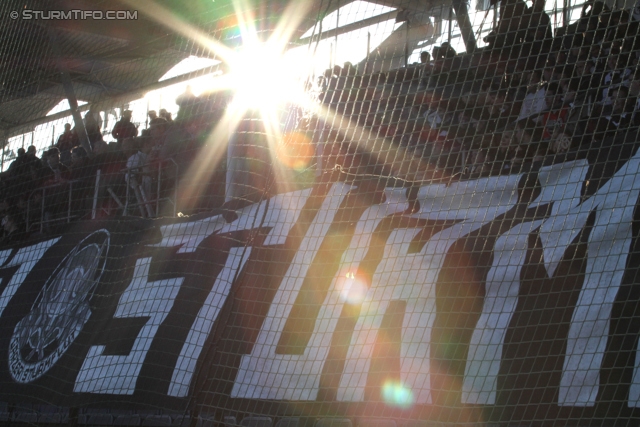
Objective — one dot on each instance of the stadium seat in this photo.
(25, 417)
(376, 422)
(415, 423)
(24, 413)
(181, 421)
(4, 411)
(96, 419)
(256, 422)
(288, 422)
(48, 414)
(333, 422)
(127, 420)
(206, 421)
(157, 420)
(230, 421)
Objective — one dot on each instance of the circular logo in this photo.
(60, 311)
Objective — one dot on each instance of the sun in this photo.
(263, 78)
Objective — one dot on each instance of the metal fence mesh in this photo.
(319, 214)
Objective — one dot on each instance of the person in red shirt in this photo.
(558, 112)
(124, 128)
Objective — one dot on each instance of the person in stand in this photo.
(538, 36)
(512, 14)
(187, 97)
(534, 101)
(136, 177)
(93, 125)
(80, 167)
(154, 119)
(13, 227)
(164, 114)
(56, 195)
(18, 162)
(31, 156)
(16, 179)
(186, 101)
(557, 112)
(606, 121)
(124, 128)
(81, 173)
(619, 116)
(443, 51)
(618, 73)
(58, 172)
(65, 143)
(425, 63)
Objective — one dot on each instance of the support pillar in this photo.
(466, 29)
(4, 140)
(71, 96)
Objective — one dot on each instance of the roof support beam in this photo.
(392, 52)
(350, 27)
(466, 29)
(418, 6)
(71, 96)
(113, 101)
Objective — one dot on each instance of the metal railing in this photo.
(63, 194)
(142, 200)
(43, 204)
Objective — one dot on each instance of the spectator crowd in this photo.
(138, 169)
(527, 96)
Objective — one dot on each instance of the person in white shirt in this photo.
(634, 93)
(135, 177)
(618, 74)
(534, 102)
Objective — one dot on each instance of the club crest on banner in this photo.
(60, 311)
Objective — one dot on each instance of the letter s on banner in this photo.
(119, 374)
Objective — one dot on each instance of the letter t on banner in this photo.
(263, 374)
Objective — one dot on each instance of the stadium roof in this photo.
(108, 60)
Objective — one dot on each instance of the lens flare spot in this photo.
(295, 151)
(352, 287)
(396, 394)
